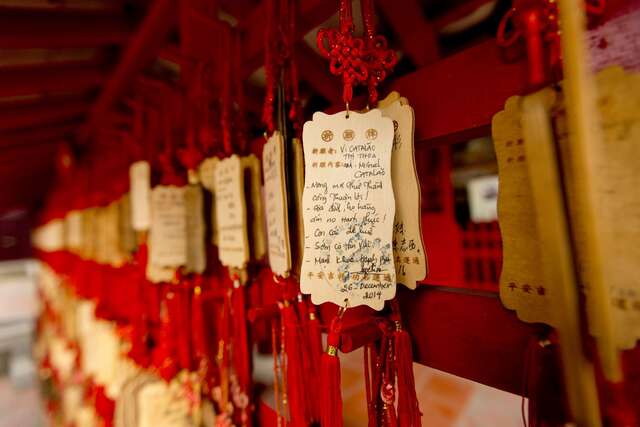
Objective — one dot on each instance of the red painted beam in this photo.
(454, 99)
(14, 117)
(417, 36)
(50, 78)
(23, 28)
(472, 336)
(143, 47)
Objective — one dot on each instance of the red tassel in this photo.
(295, 375)
(241, 352)
(618, 410)
(330, 391)
(199, 336)
(409, 414)
(312, 356)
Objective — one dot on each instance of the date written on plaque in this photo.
(348, 209)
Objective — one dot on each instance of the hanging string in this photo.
(357, 60)
(225, 119)
(344, 51)
(295, 108)
(330, 388)
(270, 67)
(409, 414)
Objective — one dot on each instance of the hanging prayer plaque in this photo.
(231, 215)
(196, 257)
(140, 187)
(255, 212)
(168, 233)
(207, 172)
(617, 179)
(522, 284)
(73, 230)
(276, 205)
(297, 176)
(348, 208)
(408, 248)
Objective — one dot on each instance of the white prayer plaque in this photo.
(231, 213)
(73, 225)
(207, 171)
(140, 187)
(348, 209)
(168, 234)
(50, 236)
(408, 248)
(276, 205)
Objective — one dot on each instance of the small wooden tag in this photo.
(408, 247)
(73, 230)
(50, 236)
(140, 187)
(88, 224)
(196, 253)
(522, 284)
(276, 205)
(348, 208)
(168, 233)
(297, 176)
(255, 210)
(207, 172)
(231, 213)
(128, 241)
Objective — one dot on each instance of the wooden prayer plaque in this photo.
(73, 230)
(348, 208)
(617, 180)
(408, 247)
(276, 205)
(207, 173)
(168, 233)
(255, 210)
(231, 213)
(196, 253)
(297, 177)
(522, 284)
(140, 187)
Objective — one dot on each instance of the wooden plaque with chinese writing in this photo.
(231, 213)
(276, 205)
(408, 248)
(522, 285)
(617, 180)
(348, 208)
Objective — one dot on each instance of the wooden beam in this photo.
(50, 78)
(24, 28)
(455, 99)
(143, 47)
(416, 35)
(14, 117)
